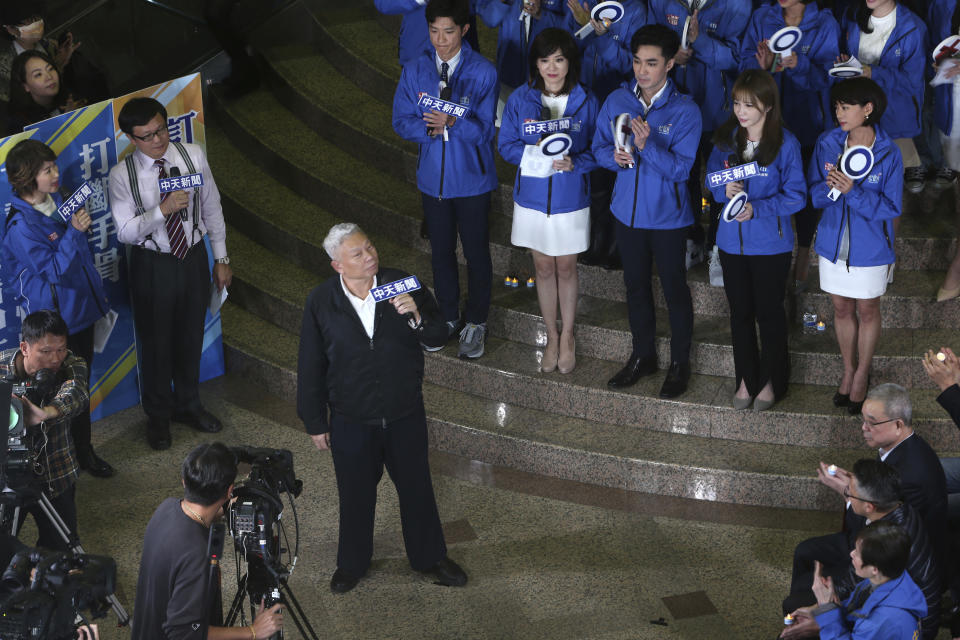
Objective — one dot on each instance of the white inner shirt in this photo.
(556, 104)
(366, 308)
(872, 44)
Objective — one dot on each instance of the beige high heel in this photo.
(548, 362)
(567, 361)
(947, 294)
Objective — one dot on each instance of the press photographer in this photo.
(174, 568)
(51, 386)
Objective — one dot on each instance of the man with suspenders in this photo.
(169, 277)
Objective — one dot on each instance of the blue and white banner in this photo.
(733, 174)
(395, 288)
(178, 183)
(429, 103)
(538, 127)
(74, 202)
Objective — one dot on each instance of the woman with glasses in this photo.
(47, 264)
(855, 237)
(551, 215)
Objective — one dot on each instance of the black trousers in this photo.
(468, 217)
(170, 299)
(756, 286)
(806, 219)
(360, 453)
(833, 552)
(638, 250)
(66, 507)
(81, 344)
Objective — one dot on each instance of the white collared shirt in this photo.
(365, 308)
(656, 96)
(884, 454)
(452, 63)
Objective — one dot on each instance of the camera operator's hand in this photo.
(268, 622)
(322, 441)
(34, 415)
(88, 632)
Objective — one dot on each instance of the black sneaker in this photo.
(913, 179)
(946, 177)
(452, 327)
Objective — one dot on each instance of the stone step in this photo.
(295, 229)
(605, 454)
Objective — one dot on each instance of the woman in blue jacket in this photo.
(757, 247)
(551, 215)
(891, 43)
(47, 264)
(855, 237)
(804, 87)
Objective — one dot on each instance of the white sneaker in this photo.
(716, 271)
(694, 253)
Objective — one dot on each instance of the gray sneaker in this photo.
(451, 330)
(471, 340)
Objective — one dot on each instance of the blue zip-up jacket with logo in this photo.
(868, 210)
(891, 612)
(939, 21)
(899, 72)
(512, 57)
(607, 60)
(562, 192)
(804, 90)
(776, 193)
(463, 166)
(414, 36)
(653, 194)
(709, 74)
(47, 264)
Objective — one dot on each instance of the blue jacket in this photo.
(607, 60)
(513, 64)
(709, 74)
(47, 264)
(869, 208)
(414, 37)
(900, 71)
(779, 191)
(464, 165)
(891, 612)
(653, 194)
(805, 90)
(561, 192)
(940, 18)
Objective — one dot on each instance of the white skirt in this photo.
(861, 283)
(559, 234)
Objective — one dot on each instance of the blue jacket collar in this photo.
(578, 96)
(31, 216)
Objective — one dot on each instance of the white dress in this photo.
(561, 234)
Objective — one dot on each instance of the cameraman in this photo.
(43, 348)
(174, 566)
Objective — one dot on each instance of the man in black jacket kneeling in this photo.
(361, 361)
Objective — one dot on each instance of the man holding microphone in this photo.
(361, 361)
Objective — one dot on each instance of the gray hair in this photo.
(895, 400)
(331, 244)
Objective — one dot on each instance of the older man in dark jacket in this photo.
(361, 361)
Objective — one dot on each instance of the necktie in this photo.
(444, 69)
(178, 240)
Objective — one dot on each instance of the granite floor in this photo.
(547, 558)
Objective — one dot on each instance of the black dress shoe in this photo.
(677, 377)
(635, 369)
(158, 433)
(93, 464)
(855, 408)
(200, 419)
(447, 573)
(341, 582)
(841, 399)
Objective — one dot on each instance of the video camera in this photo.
(258, 503)
(47, 605)
(16, 459)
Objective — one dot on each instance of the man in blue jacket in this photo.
(651, 203)
(455, 171)
(414, 39)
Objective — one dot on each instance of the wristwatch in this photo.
(223, 260)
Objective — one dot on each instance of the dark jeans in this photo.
(468, 217)
(81, 344)
(638, 250)
(756, 286)
(360, 452)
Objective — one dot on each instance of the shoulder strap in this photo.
(134, 184)
(186, 157)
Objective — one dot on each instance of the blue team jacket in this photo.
(893, 610)
(940, 17)
(868, 210)
(779, 191)
(512, 56)
(561, 192)
(414, 37)
(900, 71)
(464, 165)
(805, 90)
(653, 194)
(709, 74)
(607, 59)
(47, 264)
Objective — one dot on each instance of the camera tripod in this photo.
(18, 500)
(264, 582)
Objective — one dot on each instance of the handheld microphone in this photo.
(446, 92)
(545, 114)
(175, 173)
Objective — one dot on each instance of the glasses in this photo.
(162, 132)
(872, 424)
(850, 496)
